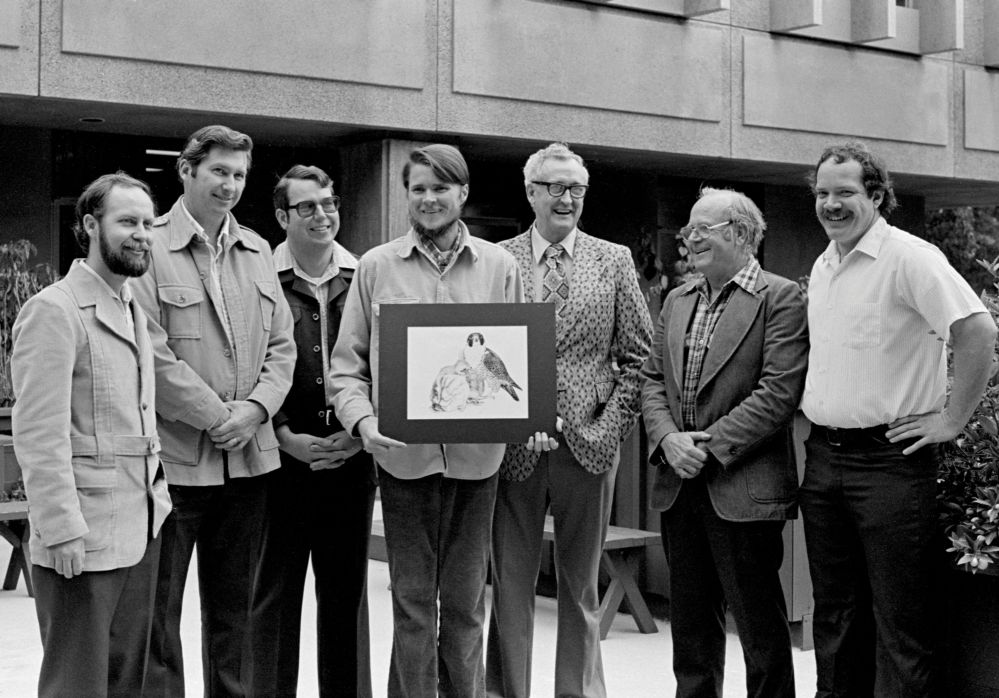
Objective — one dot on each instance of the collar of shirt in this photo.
(539, 244)
(746, 278)
(342, 259)
(199, 231)
(124, 295)
(411, 243)
(869, 244)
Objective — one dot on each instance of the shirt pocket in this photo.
(181, 310)
(268, 301)
(95, 490)
(863, 324)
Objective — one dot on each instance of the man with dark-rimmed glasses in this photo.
(601, 320)
(320, 500)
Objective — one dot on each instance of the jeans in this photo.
(437, 532)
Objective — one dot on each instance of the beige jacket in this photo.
(197, 368)
(85, 425)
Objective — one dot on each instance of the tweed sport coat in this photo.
(606, 321)
(750, 386)
(84, 424)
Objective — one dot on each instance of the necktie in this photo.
(556, 286)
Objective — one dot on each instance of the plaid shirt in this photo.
(702, 328)
(441, 258)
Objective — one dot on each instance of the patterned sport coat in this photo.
(606, 322)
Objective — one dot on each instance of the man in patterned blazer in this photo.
(601, 319)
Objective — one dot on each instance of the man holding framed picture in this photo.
(437, 499)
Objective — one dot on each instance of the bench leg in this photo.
(17, 534)
(622, 587)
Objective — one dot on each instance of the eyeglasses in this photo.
(703, 231)
(557, 189)
(307, 209)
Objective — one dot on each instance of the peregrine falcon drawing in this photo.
(486, 371)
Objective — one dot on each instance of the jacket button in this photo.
(226, 352)
(315, 316)
(317, 348)
(181, 299)
(321, 413)
(227, 396)
(319, 381)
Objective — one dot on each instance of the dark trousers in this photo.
(870, 527)
(95, 629)
(580, 504)
(225, 521)
(437, 537)
(325, 515)
(716, 564)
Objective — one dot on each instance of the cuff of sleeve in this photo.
(207, 413)
(72, 526)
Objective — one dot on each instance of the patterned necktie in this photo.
(556, 286)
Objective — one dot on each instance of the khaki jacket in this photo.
(197, 368)
(84, 424)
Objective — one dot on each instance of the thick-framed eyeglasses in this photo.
(557, 189)
(307, 209)
(702, 230)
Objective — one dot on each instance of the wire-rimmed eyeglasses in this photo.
(702, 230)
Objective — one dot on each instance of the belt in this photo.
(853, 439)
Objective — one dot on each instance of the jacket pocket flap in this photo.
(181, 296)
(267, 289)
(90, 474)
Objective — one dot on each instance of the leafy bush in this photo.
(18, 283)
(968, 477)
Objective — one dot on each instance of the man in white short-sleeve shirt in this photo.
(881, 305)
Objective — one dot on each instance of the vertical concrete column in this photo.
(374, 208)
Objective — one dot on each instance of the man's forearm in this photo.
(973, 342)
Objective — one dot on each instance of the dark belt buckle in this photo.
(834, 437)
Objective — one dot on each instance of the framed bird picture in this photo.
(466, 372)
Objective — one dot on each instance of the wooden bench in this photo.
(620, 546)
(13, 519)
(14, 529)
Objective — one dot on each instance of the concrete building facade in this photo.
(660, 96)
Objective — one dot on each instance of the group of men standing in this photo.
(181, 350)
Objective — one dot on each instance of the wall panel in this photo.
(807, 87)
(19, 47)
(378, 42)
(605, 59)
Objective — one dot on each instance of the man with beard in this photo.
(85, 437)
(222, 338)
(602, 332)
(320, 501)
(437, 500)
